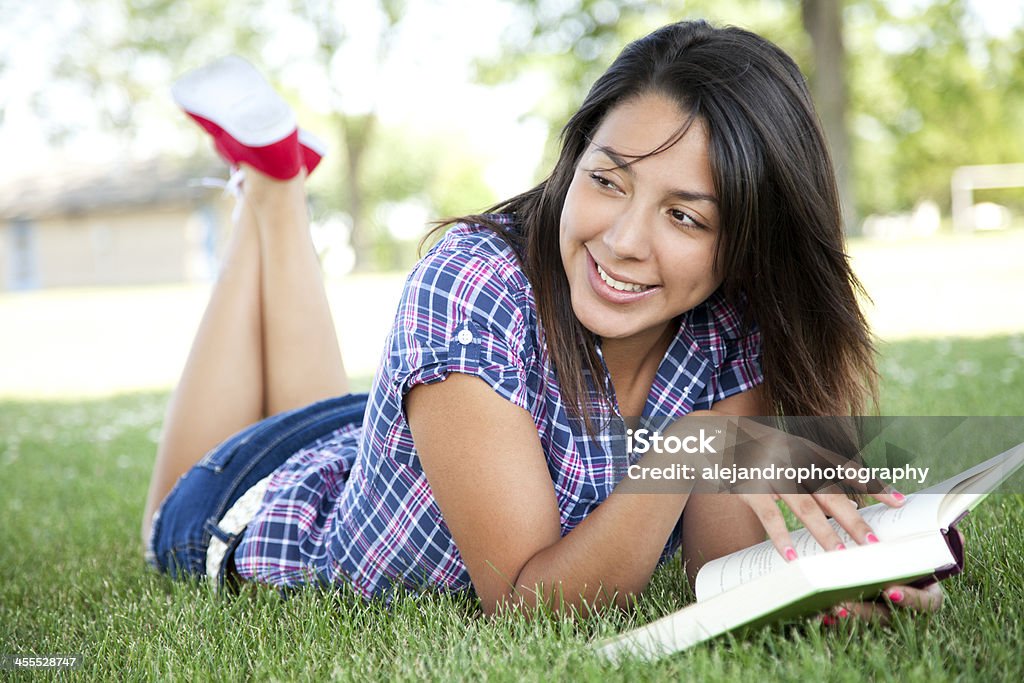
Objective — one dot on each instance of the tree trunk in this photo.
(823, 22)
(356, 132)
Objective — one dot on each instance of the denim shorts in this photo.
(189, 515)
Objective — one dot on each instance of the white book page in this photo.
(931, 509)
(864, 566)
(984, 476)
(918, 514)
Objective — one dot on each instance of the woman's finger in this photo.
(928, 599)
(807, 510)
(838, 613)
(890, 497)
(869, 611)
(837, 505)
(774, 524)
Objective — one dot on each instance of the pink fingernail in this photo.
(872, 538)
(898, 496)
(895, 596)
(790, 554)
(843, 613)
(841, 546)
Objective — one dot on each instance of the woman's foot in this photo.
(247, 119)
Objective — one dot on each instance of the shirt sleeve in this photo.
(740, 369)
(459, 313)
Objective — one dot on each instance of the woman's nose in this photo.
(628, 238)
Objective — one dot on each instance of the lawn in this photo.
(73, 479)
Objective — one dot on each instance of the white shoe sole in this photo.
(232, 94)
(307, 139)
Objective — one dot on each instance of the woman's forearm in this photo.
(607, 559)
(612, 554)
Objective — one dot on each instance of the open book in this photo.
(755, 586)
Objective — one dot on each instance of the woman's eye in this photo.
(602, 181)
(684, 219)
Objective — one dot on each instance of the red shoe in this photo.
(313, 150)
(248, 121)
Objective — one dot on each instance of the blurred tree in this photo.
(356, 126)
(931, 90)
(116, 51)
(122, 54)
(904, 96)
(823, 22)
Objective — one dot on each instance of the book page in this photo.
(984, 476)
(932, 509)
(803, 587)
(974, 485)
(917, 515)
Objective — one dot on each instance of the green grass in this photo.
(73, 479)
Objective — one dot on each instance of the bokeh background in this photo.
(109, 233)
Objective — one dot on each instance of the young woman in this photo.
(684, 257)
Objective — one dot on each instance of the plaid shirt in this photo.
(355, 506)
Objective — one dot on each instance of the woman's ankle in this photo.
(261, 189)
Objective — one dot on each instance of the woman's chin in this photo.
(604, 326)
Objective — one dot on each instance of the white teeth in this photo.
(621, 286)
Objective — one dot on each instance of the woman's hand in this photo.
(928, 599)
(812, 502)
(813, 510)
(759, 445)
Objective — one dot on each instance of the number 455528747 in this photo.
(40, 661)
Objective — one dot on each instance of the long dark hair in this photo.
(781, 240)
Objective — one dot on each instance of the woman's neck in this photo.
(634, 362)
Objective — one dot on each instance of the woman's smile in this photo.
(617, 289)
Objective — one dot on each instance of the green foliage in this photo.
(117, 51)
(439, 166)
(929, 90)
(436, 171)
(572, 43)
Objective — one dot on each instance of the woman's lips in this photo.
(609, 293)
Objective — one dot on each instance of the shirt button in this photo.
(465, 337)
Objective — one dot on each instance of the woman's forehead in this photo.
(647, 125)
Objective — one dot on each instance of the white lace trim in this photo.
(150, 552)
(234, 521)
(232, 187)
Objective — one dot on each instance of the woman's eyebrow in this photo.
(617, 159)
(621, 162)
(687, 195)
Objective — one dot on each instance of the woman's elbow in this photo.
(537, 601)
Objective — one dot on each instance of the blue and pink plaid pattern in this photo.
(356, 507)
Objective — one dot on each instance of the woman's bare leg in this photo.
(267, 341)
(221, 385)
(301, 357)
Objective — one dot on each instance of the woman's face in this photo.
(638, 241)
